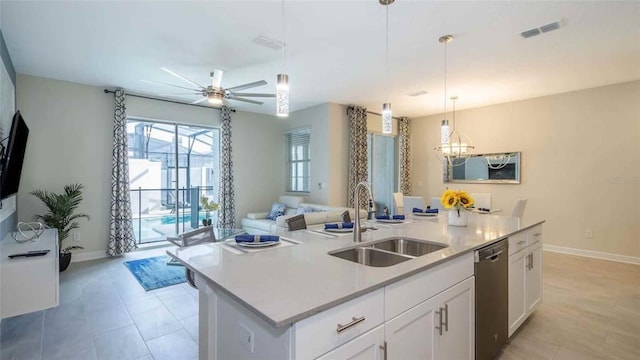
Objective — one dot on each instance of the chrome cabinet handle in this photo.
(446, 317)
(439, 312)
(531, 262)
(384, 350)
(355, 322)
(521, 242)
(537, 234)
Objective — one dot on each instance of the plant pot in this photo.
(458, 217)
(65, 260)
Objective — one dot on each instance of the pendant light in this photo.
(387, 122)
(456, 148)
(282, 87)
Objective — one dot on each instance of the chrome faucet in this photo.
(357, 237)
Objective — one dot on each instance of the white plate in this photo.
(390, 221)
(426, 214)
(339, 230)
(257, 245)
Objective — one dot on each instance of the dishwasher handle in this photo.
(494, 257)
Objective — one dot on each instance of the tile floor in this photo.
(105, 314)
(590, 310)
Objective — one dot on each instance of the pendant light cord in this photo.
(386, 57)
(445, 81)
(284, 42)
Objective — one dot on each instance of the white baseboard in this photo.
(592, 254)
(86, 256)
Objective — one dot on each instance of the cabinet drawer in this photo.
(405, 294)
(534, 235)
(517, 242)
(329, 329)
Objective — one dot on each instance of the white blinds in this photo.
(299, 160)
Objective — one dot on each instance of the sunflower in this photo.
(450, 200)
(445, 195)
(465, 199)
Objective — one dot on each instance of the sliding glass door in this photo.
(171, 167)
(383, 173)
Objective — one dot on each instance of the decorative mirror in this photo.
(498, 168)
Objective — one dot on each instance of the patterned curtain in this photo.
(405, 155)
(121, 238)
(358, 153)
(227, 212)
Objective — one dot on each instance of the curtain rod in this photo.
(375, 113)
(107, 91)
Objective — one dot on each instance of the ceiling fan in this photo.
(215, 93)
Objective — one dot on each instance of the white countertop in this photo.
(283, 285)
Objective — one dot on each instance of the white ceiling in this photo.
(335, 49)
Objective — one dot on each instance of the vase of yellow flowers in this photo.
(459, 204)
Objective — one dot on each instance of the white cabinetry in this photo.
(29, 284)
(368, 346)
(441, 327)
(436, 321)
(525, 275)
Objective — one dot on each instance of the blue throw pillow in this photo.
(277, 209)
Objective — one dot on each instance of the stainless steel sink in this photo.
(406, 246)
(370, 256)
(387, 252)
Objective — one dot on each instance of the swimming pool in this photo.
(157, 228)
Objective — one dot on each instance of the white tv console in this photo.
(29, 284)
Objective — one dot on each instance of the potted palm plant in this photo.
(61, 215)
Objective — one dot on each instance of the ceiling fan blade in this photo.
(183, 78)
(246, 100)
(199, 101)
(247, 86)
(165, 84)
(254, 95)
(179, 94)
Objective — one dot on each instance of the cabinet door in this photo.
(410, 335)
(458, 337)
(534, 277)
(368, 346)
(517, 284)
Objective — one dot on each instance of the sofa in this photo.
(314, 215)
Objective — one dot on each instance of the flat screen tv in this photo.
(11, 160)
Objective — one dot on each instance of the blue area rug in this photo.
(154, 273)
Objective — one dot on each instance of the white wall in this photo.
(580, 163)
(329, 151)
(70, 141)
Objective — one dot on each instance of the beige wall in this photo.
(70, 141)
(329, 151)
(580, 163)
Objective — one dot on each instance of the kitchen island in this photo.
(299, 302)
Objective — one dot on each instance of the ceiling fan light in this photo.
(387, 124)
(214, 99)
(282, 96)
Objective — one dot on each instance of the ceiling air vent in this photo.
(418, 93)
(542, 29)
(272, 44)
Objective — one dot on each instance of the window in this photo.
(299, 160)
(383, 169)
(171, 167)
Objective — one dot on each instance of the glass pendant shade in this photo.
(214, 99)
(282, 96)
(444, 132)
(386, 118)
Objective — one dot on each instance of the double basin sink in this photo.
(387, 252)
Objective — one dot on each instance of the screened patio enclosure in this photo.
(171, 167)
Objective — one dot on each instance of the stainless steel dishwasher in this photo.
(492, 299)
